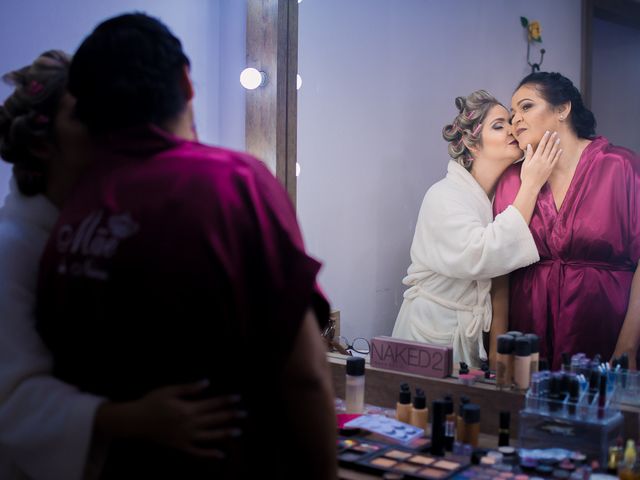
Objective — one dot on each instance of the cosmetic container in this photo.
(504, 362)
(471, 416)
(419, 411)
(522, 363)
(354, 393)
(438, 415)
(464, 400)
(535, 351)
(403, 407)
(449, 424)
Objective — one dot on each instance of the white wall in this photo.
(212, 33)
(616, 79)
(380, 78)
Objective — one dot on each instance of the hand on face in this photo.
(537, 167)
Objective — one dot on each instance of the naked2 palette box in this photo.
(375, 457)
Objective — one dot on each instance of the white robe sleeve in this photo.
(453, 240)
(45, 425)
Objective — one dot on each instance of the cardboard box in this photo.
(408, 356)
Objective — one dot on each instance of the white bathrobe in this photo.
(457, 249)
(45, 424)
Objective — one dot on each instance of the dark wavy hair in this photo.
(127, 72)
(557, 89)
(27, 117)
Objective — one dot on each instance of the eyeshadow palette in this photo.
(375, 457)
(388, 428)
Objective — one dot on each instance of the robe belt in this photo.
(481, 314)
(623, 267)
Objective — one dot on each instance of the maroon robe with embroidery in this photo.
(173, 262)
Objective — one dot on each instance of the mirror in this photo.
(379, 79)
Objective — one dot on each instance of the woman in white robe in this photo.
(48, 428)
(458, 246)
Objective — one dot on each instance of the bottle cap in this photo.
(355, 366)
(405, 394)
(471, 413)
(514, 333)
(535, 342)
(505, 344)
(463, 401)
(523, 347)
(420, 399)
(505, 420)
(448, 400)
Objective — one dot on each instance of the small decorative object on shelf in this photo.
(533, 35)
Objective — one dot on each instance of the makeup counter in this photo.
(397, 422)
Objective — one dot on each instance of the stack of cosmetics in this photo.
(575, 407)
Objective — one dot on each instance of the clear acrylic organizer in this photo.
(583, 425)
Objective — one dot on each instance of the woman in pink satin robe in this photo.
(584, 294)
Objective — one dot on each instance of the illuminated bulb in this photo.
(298, 82)
(297, 169)
(250, 78)
(299, 1)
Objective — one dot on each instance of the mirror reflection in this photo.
(411, 125)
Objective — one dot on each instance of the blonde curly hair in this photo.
(466, 129)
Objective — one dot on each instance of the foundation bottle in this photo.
(464, 400)
(522, 363)
(419, 411)
(535, 351)
(504, 362)
(471, 416)
(354, 395)
(403, 407)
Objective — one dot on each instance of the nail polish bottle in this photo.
(535, 351)
(438, 416)
(464, 400)
(471, 415)
(354, 394)
(449, 424)
(504, 431)
(403, 407)
(419, 411)
(504, 362)
(522, 363)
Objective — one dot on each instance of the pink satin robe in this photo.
(576, 297)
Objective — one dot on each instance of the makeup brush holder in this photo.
(627, 385)
(581, 425)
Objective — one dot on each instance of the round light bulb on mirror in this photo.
(297, 169)
(298, 81)
(252, 78)
(299, 1)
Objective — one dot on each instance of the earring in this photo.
(561, 117)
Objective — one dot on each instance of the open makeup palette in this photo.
(376, 457)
